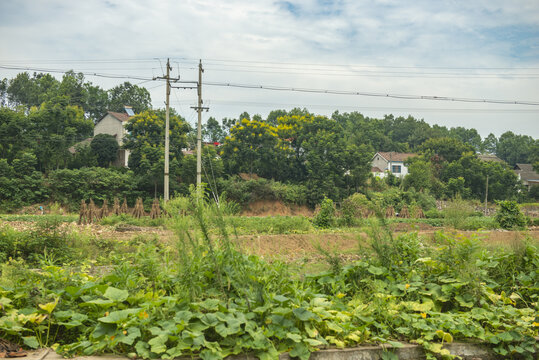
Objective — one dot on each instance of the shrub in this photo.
(351, 208)
(433, 214)
(325, 217)
(456, 212)
(509, 215)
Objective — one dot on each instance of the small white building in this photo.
(113, 123)
(385, 162)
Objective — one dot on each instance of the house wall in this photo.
(112, 126)
(379, 162)
(404, 169)
(384, 165)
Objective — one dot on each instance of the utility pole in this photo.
(166, 194)
(199, 109)
(199, 125)
(167, 126)
(486, 197)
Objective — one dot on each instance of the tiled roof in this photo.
(489, 157)
(524, 167)
(526, 172)
(376, 169)
(396, 156)
(120, 116)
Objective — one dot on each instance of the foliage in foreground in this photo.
(206, 298)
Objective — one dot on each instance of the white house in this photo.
(384, 162)
(113, 123)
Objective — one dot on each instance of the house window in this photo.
(396, 169)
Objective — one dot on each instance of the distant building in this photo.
(390, 162)
(113, 123)
(489, 157)
(526, 174)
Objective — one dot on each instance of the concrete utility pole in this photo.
(486, 197)
(199, 125)
(199, 109)
(167, 126)
(166, 195)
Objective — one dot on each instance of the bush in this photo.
(352, 207)
(433, 214)
(509, 215)
(48, 238)
(456, 212)
(325, 217)
(246, 191)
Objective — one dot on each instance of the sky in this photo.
(480, 50)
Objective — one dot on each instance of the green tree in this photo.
(489, 145)
(146, 141)
(213, 131)
(15, 134)
(448, 149)
(105, 148)
(54, 127)
(128, 94)
(420, 175)
(467, 136)
(514, 148)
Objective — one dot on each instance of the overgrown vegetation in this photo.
(204, 297)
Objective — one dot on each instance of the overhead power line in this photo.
(302, 90)
(357, 65)
(372, 94)
(57, 71)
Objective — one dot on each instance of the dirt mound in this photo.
(273, 208)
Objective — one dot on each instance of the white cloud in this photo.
(382, 33)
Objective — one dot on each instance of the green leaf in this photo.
(133, 333)
(210, 304)
(49, 307)
(313, 342)
(294, 337)
(119, 316)
(183, 316)
(31, 342)
(158, 344)
(280, 298)
(303, 314)
(116, 294)
(103, 330)
(143, 349)
(333, 326)
(376, 270)
(505, 336)
(395, 344)
(100, 302)
(270, 354)
(301, 351)
(207, 354)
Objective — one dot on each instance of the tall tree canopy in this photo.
(131, 95)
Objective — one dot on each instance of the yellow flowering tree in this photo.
(253, 147)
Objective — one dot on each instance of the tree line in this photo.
(41, 117)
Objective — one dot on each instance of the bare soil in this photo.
(292, 246)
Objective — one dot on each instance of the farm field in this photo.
(214, 286)
(287, 245)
